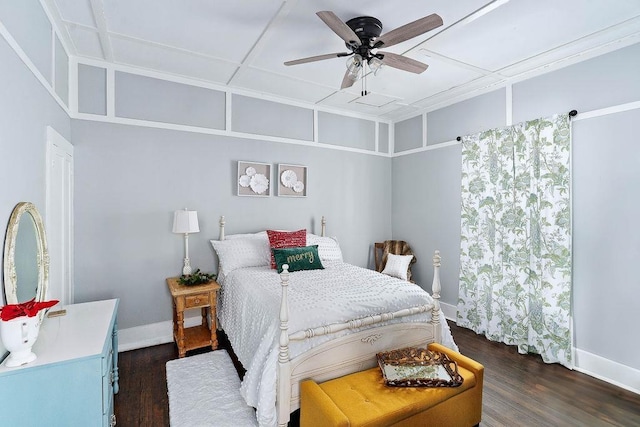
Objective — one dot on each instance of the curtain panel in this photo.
(515, 266)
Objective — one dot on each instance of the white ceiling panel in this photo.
(621, 34)
(86, 41)
(439, 77)
(402, 111)
(469, 89)
(517, 31)
(339, 99)
(374, 100)
(171, 61)
(77, 11)
(222, 29)
(313, 37)
(372, 104)
(245, 43)
(263, 82)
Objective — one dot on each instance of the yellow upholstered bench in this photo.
(362, 399)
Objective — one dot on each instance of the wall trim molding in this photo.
(191, 81)
(620, 108)
(222, 132)
(607, 370)
(32, 67)
(110, 116)
(150, 335)
(606, 111)
(450, 311)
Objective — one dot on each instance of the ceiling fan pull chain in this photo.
(364, 76)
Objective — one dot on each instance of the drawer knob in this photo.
(197, 300)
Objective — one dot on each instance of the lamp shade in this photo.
(185, 221)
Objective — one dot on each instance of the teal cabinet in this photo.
(75, 376)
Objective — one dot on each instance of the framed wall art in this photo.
(254, 179)
(292, 180)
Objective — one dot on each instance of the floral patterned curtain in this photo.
(515, 269)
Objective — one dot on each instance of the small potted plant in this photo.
(19, 328)
(196, 278)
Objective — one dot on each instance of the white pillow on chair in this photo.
(397, 265)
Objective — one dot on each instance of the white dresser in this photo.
(74, 378)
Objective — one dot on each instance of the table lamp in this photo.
(185, 222)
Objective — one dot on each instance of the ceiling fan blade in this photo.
(339, 27)
(403, 63)
(410, 30)
(347, 81)
(317, 58)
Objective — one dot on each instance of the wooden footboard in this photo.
(349, 353)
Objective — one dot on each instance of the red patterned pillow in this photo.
(285, 239)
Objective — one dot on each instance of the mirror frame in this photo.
(10, 276)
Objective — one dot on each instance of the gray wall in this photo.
(606, 176)
(92, 90)
(28, 24)
(26, 109)
(346, 131)
(426, 213)
(483, 112)
(408, 134)
(257, 116)
(606, 240)
(146, 98)
(129, 180)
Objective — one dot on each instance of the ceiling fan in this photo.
(362, 37)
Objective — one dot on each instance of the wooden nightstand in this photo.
(197, 296)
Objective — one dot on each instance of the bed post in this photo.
(222, 222)
(283, 398)
(435, 293)
(323, 224)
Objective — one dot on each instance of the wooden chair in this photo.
(396, 247)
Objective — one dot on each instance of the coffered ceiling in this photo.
(244, 43)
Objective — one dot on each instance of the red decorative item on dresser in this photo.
(29, 308)
(285, 239)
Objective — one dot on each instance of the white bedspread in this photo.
(249, 307)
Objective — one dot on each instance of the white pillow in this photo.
(261, 234)
(328, 247)
(397, 265)
(241, 253)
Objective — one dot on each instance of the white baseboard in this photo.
(607, 370)
(593, 365)
(150, 335)
(450, 311)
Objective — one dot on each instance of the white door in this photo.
(59, 216)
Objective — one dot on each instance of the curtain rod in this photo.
(572, 113)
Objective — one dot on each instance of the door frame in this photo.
(55, 141)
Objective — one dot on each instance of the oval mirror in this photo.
(26, 259)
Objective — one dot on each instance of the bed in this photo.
(319, 324)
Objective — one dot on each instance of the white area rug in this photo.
(204, 390)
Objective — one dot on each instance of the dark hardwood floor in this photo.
(519, 390)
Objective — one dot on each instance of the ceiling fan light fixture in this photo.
(354, 62)
(375, 64)
(354, 65)
(362, 36)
